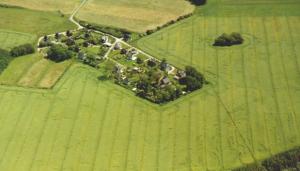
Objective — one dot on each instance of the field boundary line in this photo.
(260, 95)
(24, 141)
(218, 89)
(89, 121)
(129, 136)
(57, 129)
(42, 75)
(246, 90)
(50, 109)
(145, 137)
(272, 81)
(12, 134)
(115, 130)
(291, 102)
(99, 135)
(74, 120)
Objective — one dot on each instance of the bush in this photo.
(198, 2)
(4, 59)
(194, 80)
(151, 63)
(58, 53)
(44, 44)
(229, 40)
(22, 50)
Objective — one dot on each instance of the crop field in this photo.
(250, 110)
(33, 22)
(10, 39)
(256, 84)
(134, 15)
(65, 6)
(33, 71)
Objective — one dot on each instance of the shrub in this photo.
(151, 63)
(4, 59)
(58, 53)
(44, 44)
(229, 40)
(198, 2)
(194, 80)
(22, 50)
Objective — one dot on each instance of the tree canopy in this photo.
(58, 53)
(22, 50)
(229, 39)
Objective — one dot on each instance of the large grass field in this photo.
(256, 85)
(249, 111)
(10, 39)
(33, 71)
(65, 6)
(134, 15)
(33, 22)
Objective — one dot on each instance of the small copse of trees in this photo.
(229, 39)
(58, 53)
(5, 58)
(21, 50)
(193, 80)
(198, 2)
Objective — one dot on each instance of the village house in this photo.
(118, 46)
(131, 55)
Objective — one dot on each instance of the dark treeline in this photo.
(198, 2)
(7, 56)
(289, 161)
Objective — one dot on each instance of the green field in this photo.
(65, 6)
(134, 15)
(33, 71)
(10, 39)
(248, 112)
(34, 22)
(256, 85)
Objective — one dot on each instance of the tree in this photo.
(45, 38)
(194, 80)
(139, 60)
(85, 44)
(151, 63)
(163, 64)
(22, 50)
(126, 36)
(58, 53)
(70, 42)
(198, 2)
(123, 51)
(57, 35)
(229, 40)
(69, 33)
(192, 83)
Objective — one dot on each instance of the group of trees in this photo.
(229, 39)
(289, 160)
(58, 53)
(148, 88)
(5, 58)
(21, 50)
(193, 80)
(198, 2)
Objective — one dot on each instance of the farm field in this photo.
(65, 6)
(33, 22)
(248, 112)
(33, 71)
(10, 39)
(134, 15)
(256, 84)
